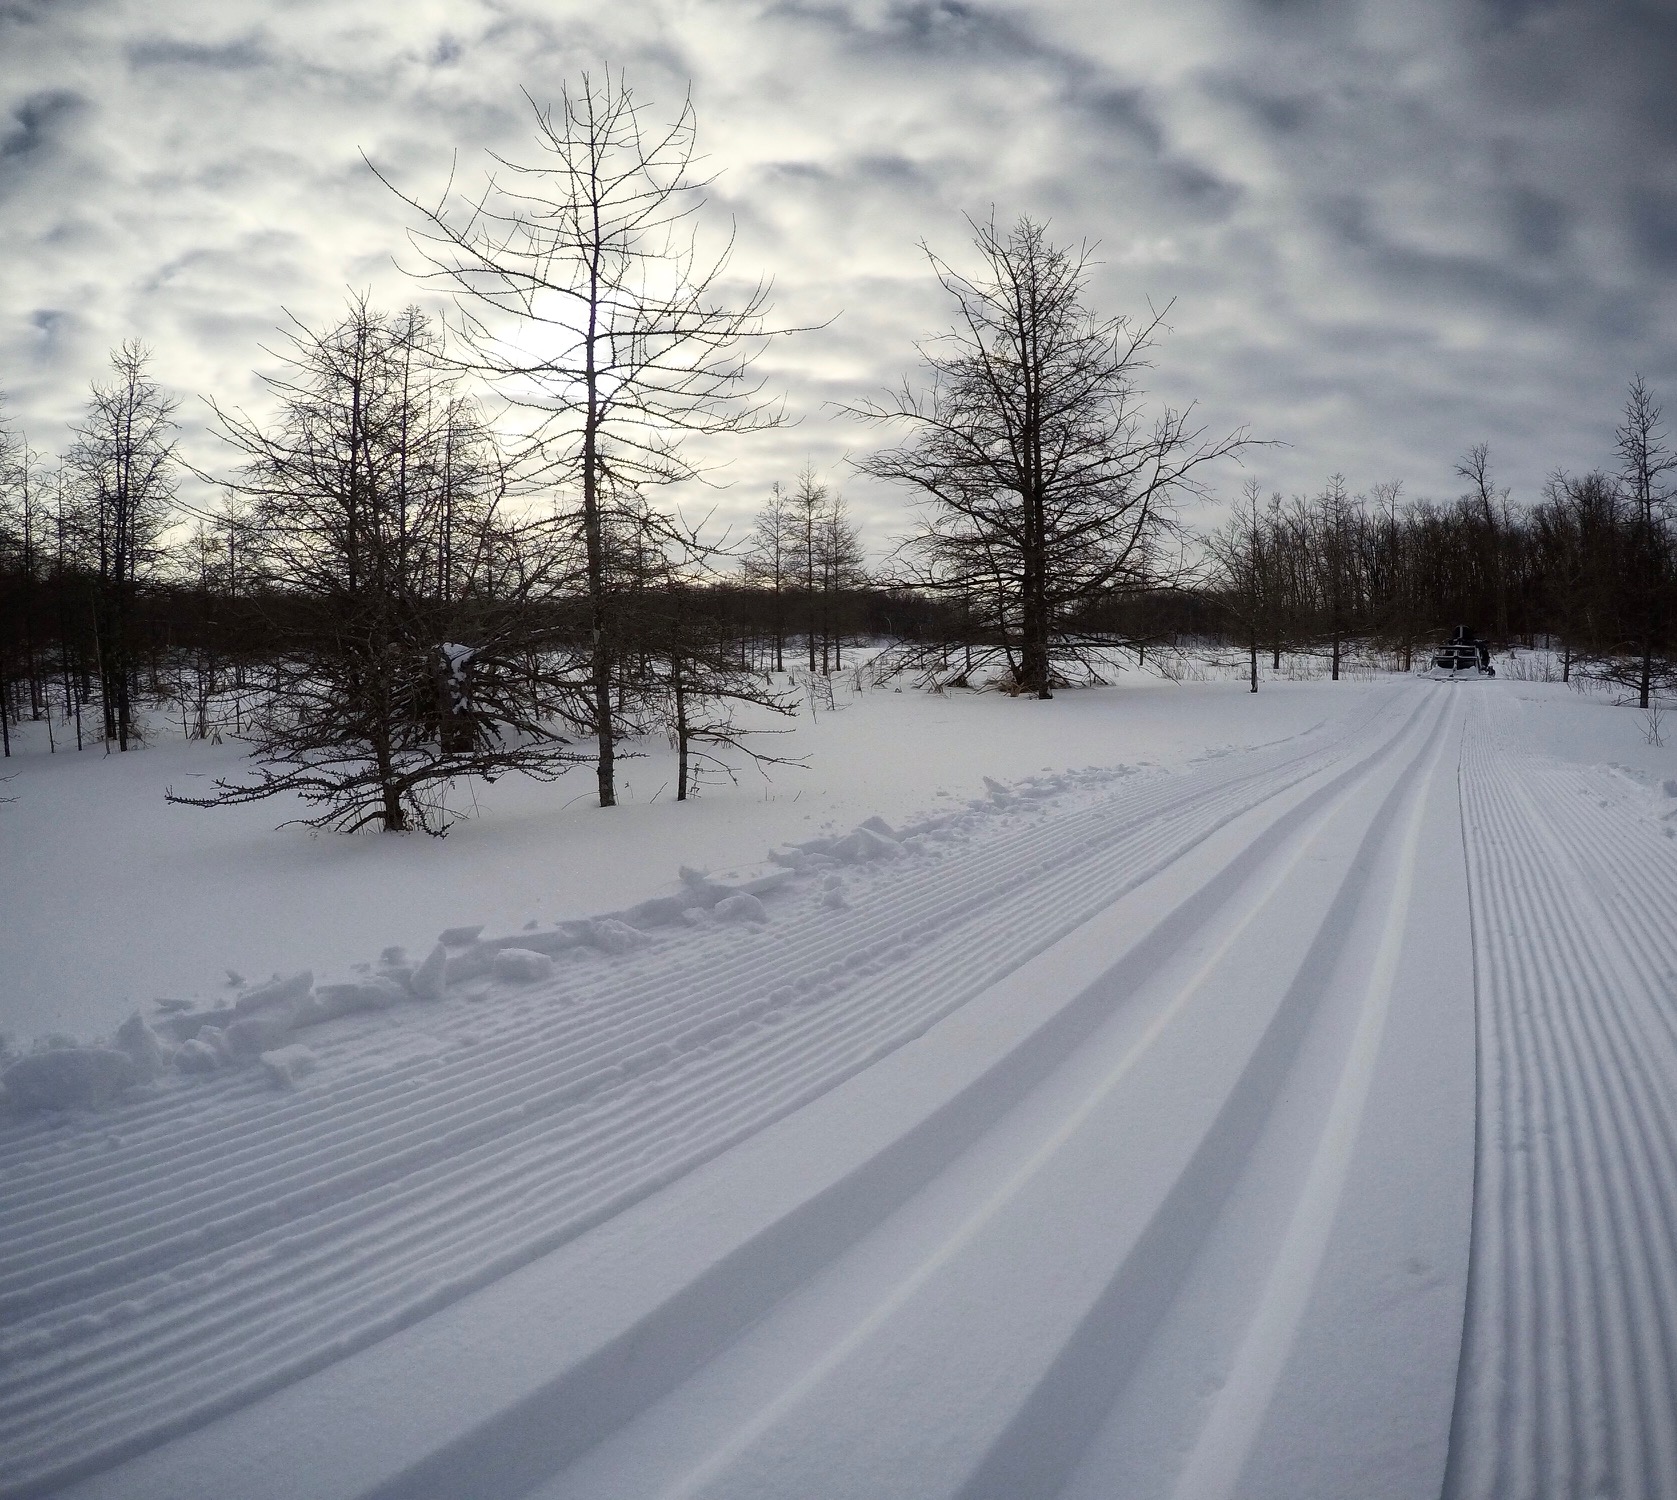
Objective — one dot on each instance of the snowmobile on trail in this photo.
(1463, 655)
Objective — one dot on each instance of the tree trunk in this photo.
(394, 818)
(605, 768)
(681, 727)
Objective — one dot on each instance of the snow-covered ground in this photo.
(1269, 1096)
(115, 898)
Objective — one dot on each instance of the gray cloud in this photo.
(1390, 231)
(36, 120)
(175, 53)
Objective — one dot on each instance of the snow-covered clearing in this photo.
(1265, 1096)
(115, 898)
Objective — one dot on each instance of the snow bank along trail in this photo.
(189, 1249)
(1569, 1378)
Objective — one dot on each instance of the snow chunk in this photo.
(866, 845)
(552, 942)
(68, 1078)
(197, 1056)
(701, 889)
(251, 1035)
(742, 906)
(187, 1023)
(660, 911)
(140, 1042)
(276, 992)
(459, 937)
(522, 965)
(376, 993)
(761, 885)
(431, 977)
(285, 1065)
(612, 936)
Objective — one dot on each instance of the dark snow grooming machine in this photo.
(1463, 655)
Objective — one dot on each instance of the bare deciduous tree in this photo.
(840, 559)
(407, 647)
(1243, 552)
(769, 554)
(1490, 505)
(1045, 489)
(1645, 459)
(124, 465)
(584, 295)
(16, 566)
(699, 676)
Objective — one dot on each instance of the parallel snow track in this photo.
(1569, 1376)
(209, 1245)
(1121, 1158)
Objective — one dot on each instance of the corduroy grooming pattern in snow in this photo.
(1569, 1375)
(193, 1249)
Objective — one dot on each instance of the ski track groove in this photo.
(1569, 1377)
(1412, 743)
(273, 1233)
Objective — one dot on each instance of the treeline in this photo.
(1589, 568)
(366, 606)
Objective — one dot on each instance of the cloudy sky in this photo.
(1390, 229)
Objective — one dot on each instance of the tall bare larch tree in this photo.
(585, 296)
(1045, 488)
(125, 469)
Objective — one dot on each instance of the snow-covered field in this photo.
(1269, 1096)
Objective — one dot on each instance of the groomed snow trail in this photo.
(1125, 1142)
(1181, 1172)
(1569, 1377)
(205, 1246)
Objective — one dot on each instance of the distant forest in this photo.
(392, 590)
